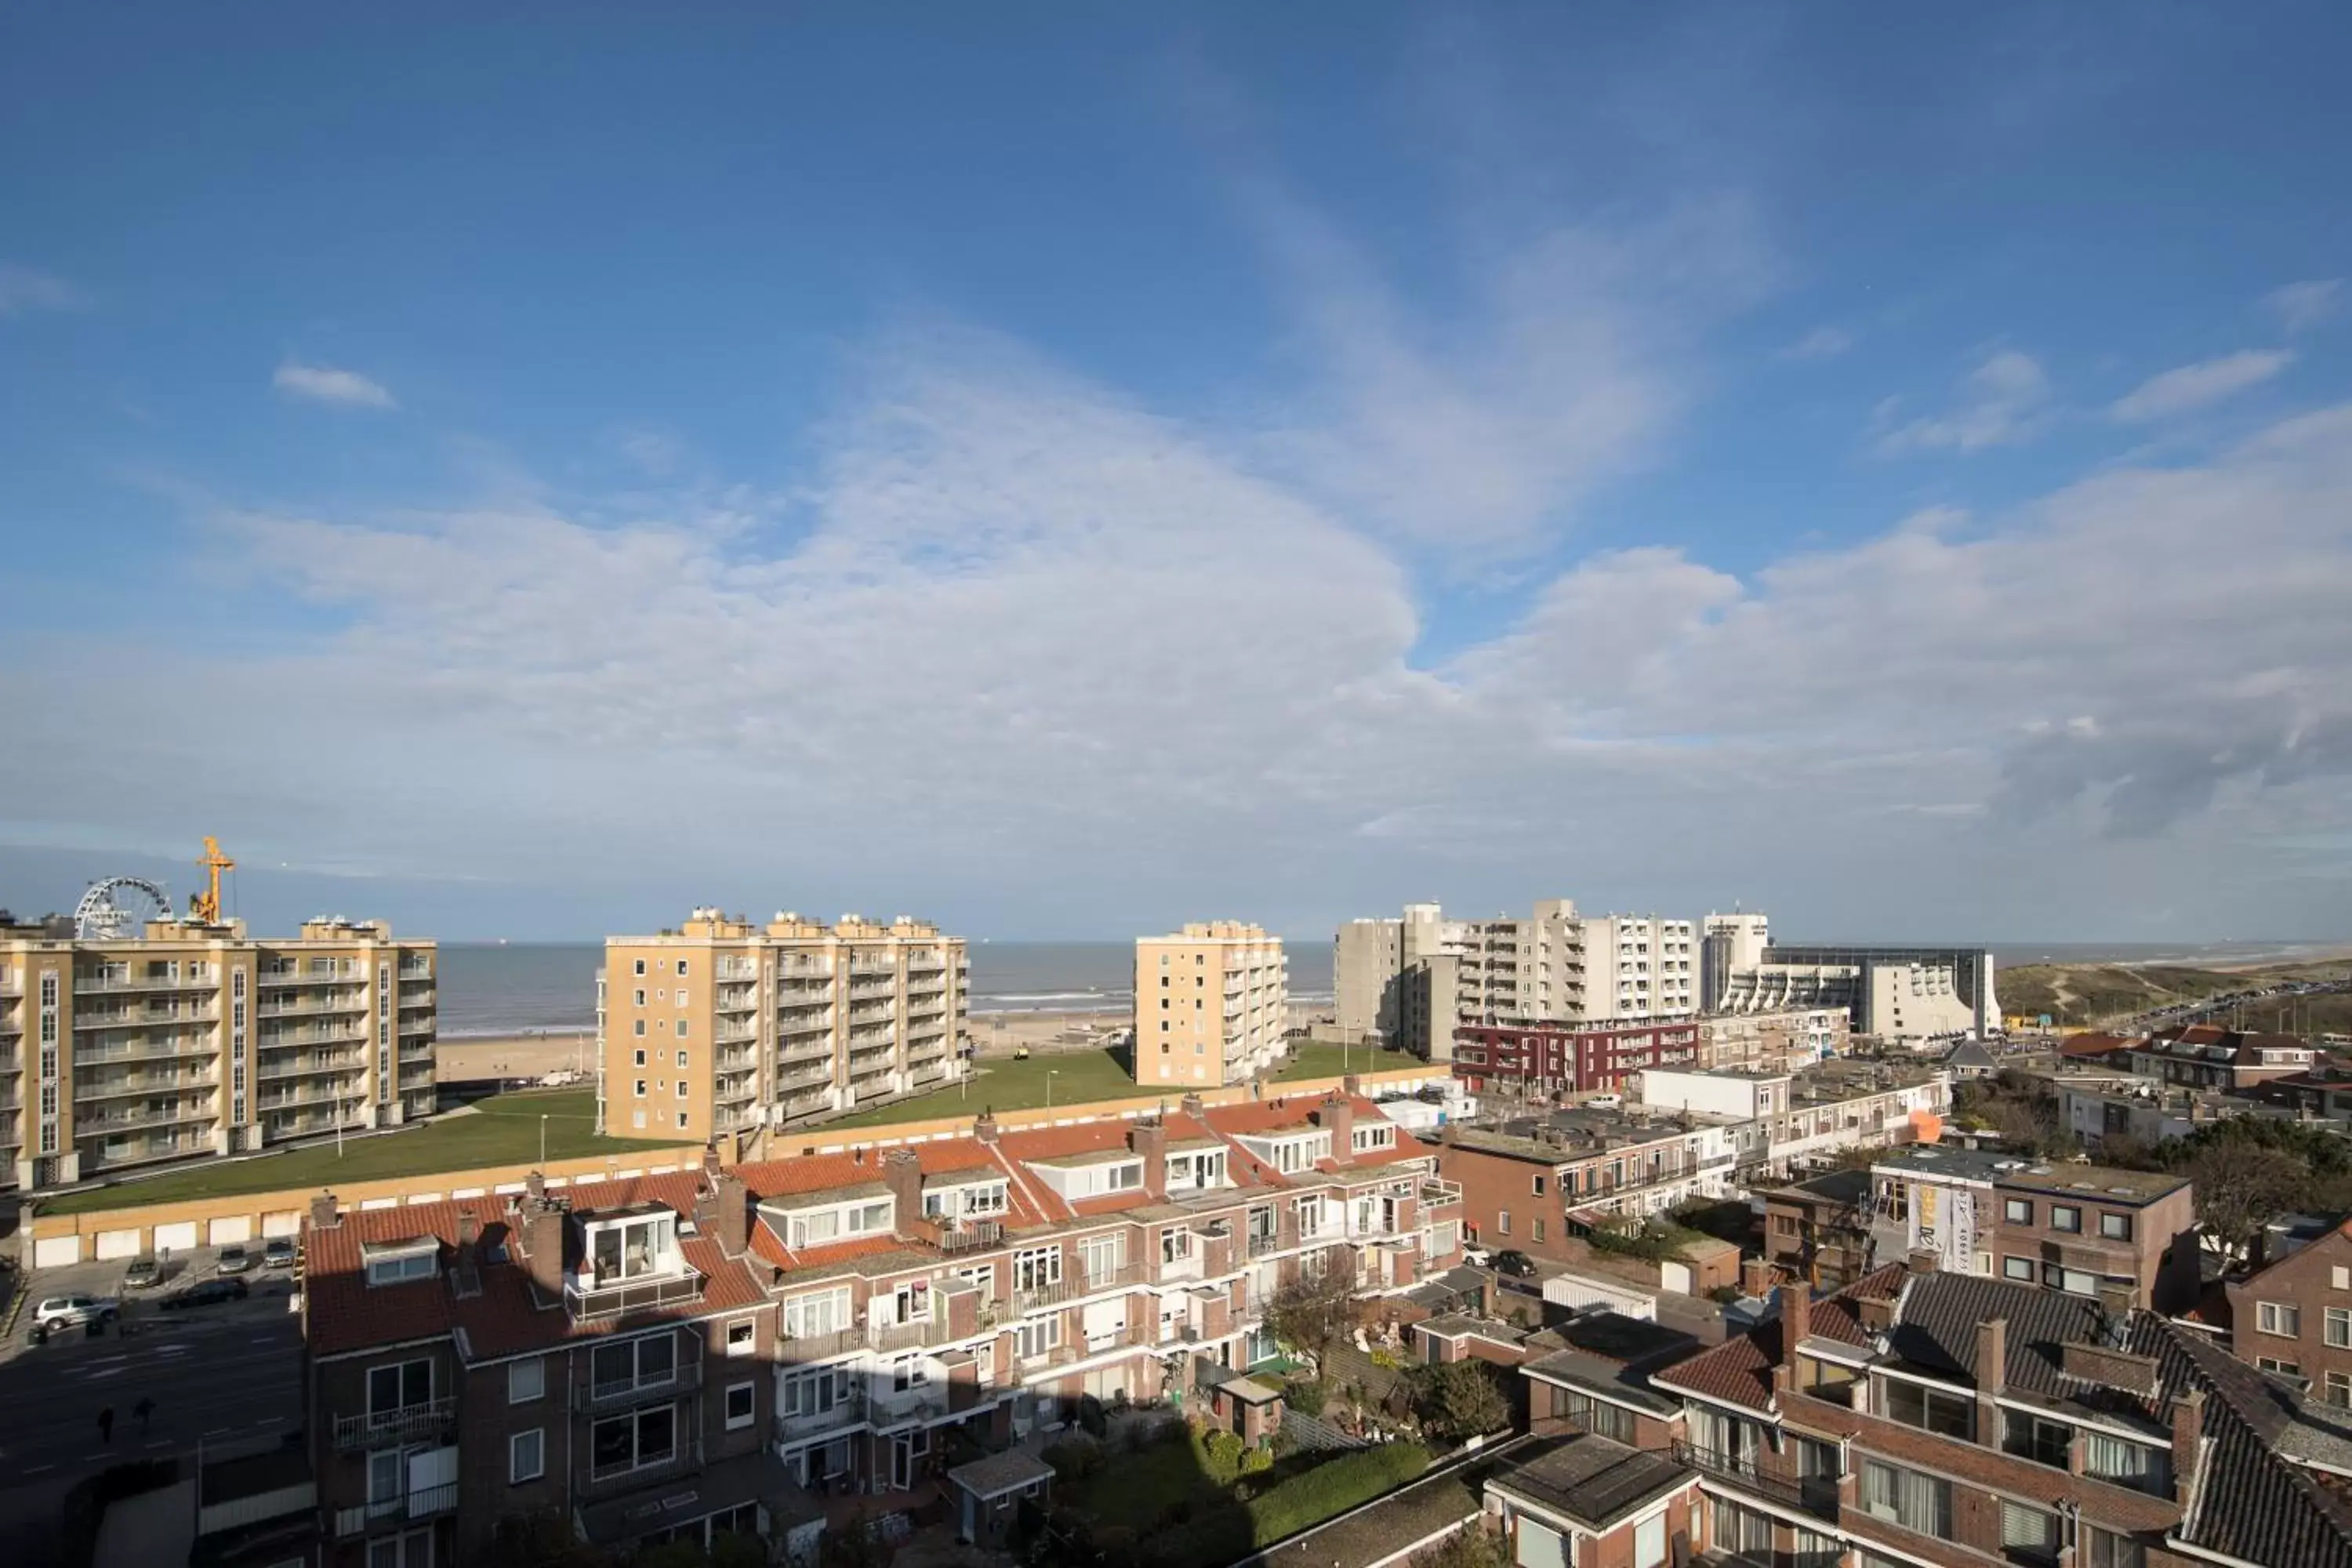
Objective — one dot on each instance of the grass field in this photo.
(1080, 1077)
(502, 1131)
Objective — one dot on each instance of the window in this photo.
(641, 1084)
(814, 1391)
(1539, 1187)
(641, 969)
(740, 1335)
(2017, 1211)
(1103, 1256)
(681, 969)
(635, 1441)
(526, 1380)
(2272, 1363)
(1931, 1409)
(1916, 1502)
(2102, 1549)
(1742, 1531)
(1598, 1416)
(2030, 1438)
(631, 1248)
(526, 1457)
(399, 1387)
(1539, 1228)
(681, 1089)
(682, 1118)
(2338, 1391)
(1035, 1336)
(681, 1059)
(2115, 1227)
(681, 1028)
(743, 1404)
(2339, 1327)
(2141, 1465)
(1503, 1223)
(641, 1058)
(420, 1262)
(641, 1027)
(2339, 1279)
(1037, 1267)
(2028, 1534)
(1175, 1244)
(635, 1363)
(2018, 1268)
(2065, 1217)
(413, 1550)
(2282, 1318)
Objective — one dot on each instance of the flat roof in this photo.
(2102, 1182)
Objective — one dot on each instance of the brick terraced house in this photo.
(747, 1349)
(1924, 1419)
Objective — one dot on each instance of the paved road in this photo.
(221, 1376)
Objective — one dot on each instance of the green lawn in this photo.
(503, 1129)
(1078, 1078)
(1313, 1060)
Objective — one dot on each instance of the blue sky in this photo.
(1064, 474)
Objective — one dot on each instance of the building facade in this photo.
(771, 1346)
(1729, 944)
(2295, 1317)
(1212, 1005)
(725, 1028)
(1534, 1193)
(1892, 993)
(1772, 1042)
(198, 1038)
(1563, 1060)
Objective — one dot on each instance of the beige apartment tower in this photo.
(1212, 1005)
(197, 1038)
(727, 1026)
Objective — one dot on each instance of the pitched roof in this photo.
(1739, 1371)
(342, 1312)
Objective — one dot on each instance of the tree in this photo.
(2242, 1186)
(1308, 1314)
(1472, 1546)
(542, 1539)
(1458, 1400)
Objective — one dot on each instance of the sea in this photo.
(513, 988)
(506, 988)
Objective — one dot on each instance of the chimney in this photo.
(734, 1205)
(469, 1233)
(2188, 1439)
(1150, 1139)
(543, 1242)
(1351, 1086)
(983, 1127)
(534, 1185)
(1194, 1106)
(1755, 1277)
(1339, 1114)
(1992, 1356)
(710, 1162)
(1796, 1318)
(903, 1168)
(1921, 1260)
(324, 1215)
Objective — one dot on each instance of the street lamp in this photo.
(1049, 1086)
(543, 1142)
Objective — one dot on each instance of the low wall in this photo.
(54, 1240)
(59, 1239)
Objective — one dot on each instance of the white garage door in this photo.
(284, 1222)
(118, 1244)
(57, 1251)
(180, 1238)
(225, 1231)
(1678, 1276)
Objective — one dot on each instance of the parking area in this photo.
(269, 1290)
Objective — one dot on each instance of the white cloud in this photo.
(2001, 402)
(1021, 648)
(2302, 305)
(23, 290)
(2192, 386)
(323, 384)
(1821, 342)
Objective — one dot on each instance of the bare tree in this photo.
(2241, 1187)
(1308, 1314)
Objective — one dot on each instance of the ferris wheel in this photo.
(117, 907)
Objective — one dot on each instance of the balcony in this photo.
(921, 1402)
(409, 1508)
(684, 1377)
(685, 1458)
(930, 1330)
(86, 984)
(805, 1349)
(416, 996)
(605, 1300)
(1817, 1496)
(397, 1427)
(86, 1091)
(847, 1411)
(91, 1126)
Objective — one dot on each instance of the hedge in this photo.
(1333, 1487)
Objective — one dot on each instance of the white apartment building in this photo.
(1212, 1005)
(1728, 943)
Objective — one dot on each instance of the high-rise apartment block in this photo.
(1727, 944)
(1212, 1005)
(724, 1026)
(197, 1038)
(1413, 980)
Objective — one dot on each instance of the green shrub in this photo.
(1072, 1459)
(1258, 1459)
(1333, 1487)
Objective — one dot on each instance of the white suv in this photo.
(67, 1312)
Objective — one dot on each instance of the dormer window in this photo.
(1380, 1135)
(1205, 1168)
(636, 1247)
(974, 1201)
(816, 1228)
(396, 1262)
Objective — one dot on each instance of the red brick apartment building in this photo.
(1565, 1059)
(1920, 1419)
(677, 1355)
(2295, 1317)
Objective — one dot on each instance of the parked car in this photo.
(1514, 1262)
(142, 1275)
(67, 1312)
(234, 1260)
(279, 1254)
(204, 1293)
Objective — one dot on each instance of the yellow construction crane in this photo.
(205, 906)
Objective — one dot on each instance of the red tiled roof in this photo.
(1739, 1372)
(2093, 1043)
(1262, 1116)
(342, 1312)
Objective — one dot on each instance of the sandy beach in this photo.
(529, 1055)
